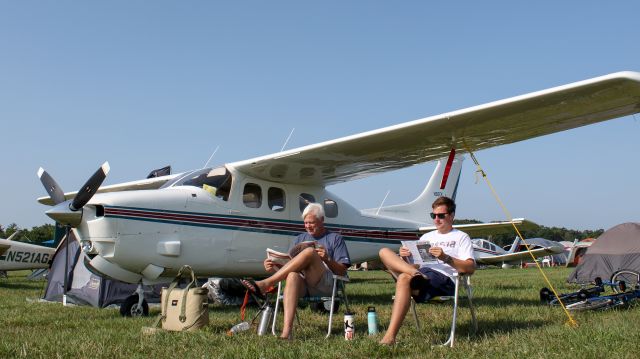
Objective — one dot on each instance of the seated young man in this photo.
(454, 253)
(309, 272)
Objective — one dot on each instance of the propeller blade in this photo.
(90, 187)
(53, 189)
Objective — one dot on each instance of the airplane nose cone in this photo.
(64, 215)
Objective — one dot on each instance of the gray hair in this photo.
(315, 209)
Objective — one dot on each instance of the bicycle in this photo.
(547, 297)
(620, 281)
(623, 299)
(629, 277)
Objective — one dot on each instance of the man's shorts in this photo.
(324, 287)
(437, 284)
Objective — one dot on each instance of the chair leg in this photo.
(333, 301)
(275, 310)
(474, 320)
(415, 313)
(452, 335)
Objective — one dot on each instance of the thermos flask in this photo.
(265, 320)
(349, 329)
(372, 321)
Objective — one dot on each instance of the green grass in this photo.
(512, 324)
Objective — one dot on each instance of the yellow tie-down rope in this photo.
(571, 321)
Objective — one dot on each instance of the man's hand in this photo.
(322, 252)
(437, 252)
(404, 252)
(270, 266)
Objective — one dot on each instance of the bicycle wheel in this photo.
(630, 278)
(589, 304)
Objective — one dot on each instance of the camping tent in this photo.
(83, 286)
(616, 249)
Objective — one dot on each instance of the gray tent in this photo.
(83, 286)
(616, 249)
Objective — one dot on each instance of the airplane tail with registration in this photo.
(443, 182)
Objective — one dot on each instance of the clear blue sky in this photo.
(145, 84)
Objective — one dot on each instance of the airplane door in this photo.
(263, 213)
(206, 242)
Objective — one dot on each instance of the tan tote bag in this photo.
(185, 309)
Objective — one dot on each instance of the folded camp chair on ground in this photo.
(338, 293)
(457, 279)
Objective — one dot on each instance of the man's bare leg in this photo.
(294, 289)
(395, 263)
(403, 272)
(307, 262)
(399, 309)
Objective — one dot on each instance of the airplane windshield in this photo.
(214, 180)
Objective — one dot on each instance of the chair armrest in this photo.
(341, 278)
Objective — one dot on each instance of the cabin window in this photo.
(486, 245)
(252, 195)
(276, 199)
(330, 208)
(305, 199)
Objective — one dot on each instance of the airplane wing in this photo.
(150, 183)
(484, 126)
(511, 257)
(476, 230)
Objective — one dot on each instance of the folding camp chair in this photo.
(338, 293)
(466, 282)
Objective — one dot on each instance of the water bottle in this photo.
(372, 321)
(265, 320)
(349, 326)
(240, 327)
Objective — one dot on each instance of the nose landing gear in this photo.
(135, 305)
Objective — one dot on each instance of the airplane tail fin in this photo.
(13, 235)
(443, 182)
(514, 245)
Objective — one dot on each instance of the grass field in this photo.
(512, 324)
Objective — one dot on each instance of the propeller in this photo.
(69, 212)
(53, 189)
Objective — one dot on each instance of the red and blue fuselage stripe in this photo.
(258, 224)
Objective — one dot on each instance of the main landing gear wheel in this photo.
(131, 308)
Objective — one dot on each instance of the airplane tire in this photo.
(130, 307)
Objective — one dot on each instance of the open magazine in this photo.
(420, 253)
(282, 258)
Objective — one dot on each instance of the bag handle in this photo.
(186, 269)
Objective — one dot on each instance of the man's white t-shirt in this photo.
(456, 243)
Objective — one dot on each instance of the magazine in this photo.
(420, 253)
(282, 258)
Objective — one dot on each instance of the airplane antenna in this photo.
(287, 140)
(381, 203)
(210, 157)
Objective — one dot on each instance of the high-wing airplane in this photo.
(16, 255)
(221, 220)
(488, 253)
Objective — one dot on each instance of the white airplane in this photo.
(488, 253)
(221, 220)
(16, 255)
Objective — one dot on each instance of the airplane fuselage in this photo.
(18, 255)
(150, 234)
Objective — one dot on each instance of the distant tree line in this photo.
(36, 235)
(551, 233)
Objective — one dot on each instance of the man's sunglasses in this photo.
(439, 215)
